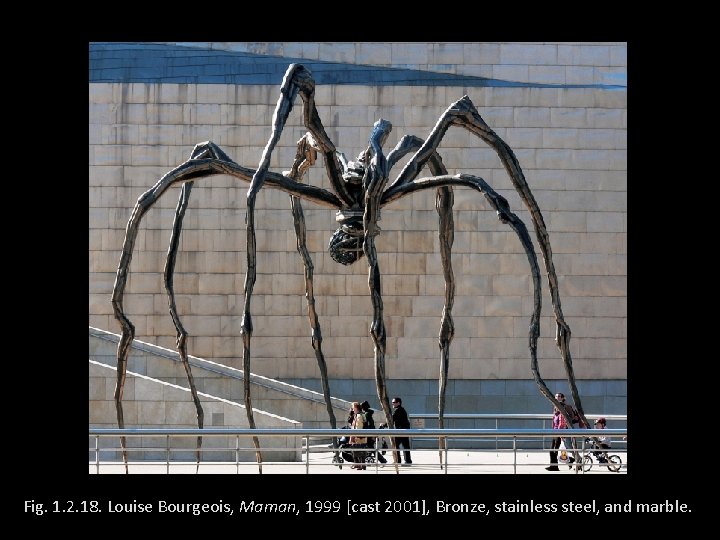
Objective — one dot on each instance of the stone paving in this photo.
(424, 462)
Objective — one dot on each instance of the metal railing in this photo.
(308, 435)
(521, 416)
(420, 420)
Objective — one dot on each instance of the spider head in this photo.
(355, 171)
(353, 175)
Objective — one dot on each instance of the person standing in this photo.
(558, 422)
(401, 421)
(358, 442)
(370, 424)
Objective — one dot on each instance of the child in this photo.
(604, 441)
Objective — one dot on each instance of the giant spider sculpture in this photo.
(361, 190)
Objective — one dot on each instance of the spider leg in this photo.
(411, 143)
(501, 206)
(463, 113)
(305, 157)
(374, 181)
(207, 159)
(183, 173)
(443, 204)
(297, 79)
(181, 332)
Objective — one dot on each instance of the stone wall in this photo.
(570, 140)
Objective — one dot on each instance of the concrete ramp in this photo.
(219, 381)
(151, 403)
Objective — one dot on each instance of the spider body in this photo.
(346, 243)
(360, 188)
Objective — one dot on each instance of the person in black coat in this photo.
(401, 421)
(365, 406)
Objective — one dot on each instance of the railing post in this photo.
(377, 453)
(514, 454)
(167, 453)
(497, 423)
(445, 440)
(97, 454)
(307, 455)
(237, 454)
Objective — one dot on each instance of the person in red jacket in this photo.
(558, 422)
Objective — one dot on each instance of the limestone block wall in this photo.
(562, 107)
(151, 403)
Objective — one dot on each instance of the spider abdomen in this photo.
(346, 243)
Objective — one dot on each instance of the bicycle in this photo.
(612, 462)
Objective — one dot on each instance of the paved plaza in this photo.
(424, 462)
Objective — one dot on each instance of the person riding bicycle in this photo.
(603, 440)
